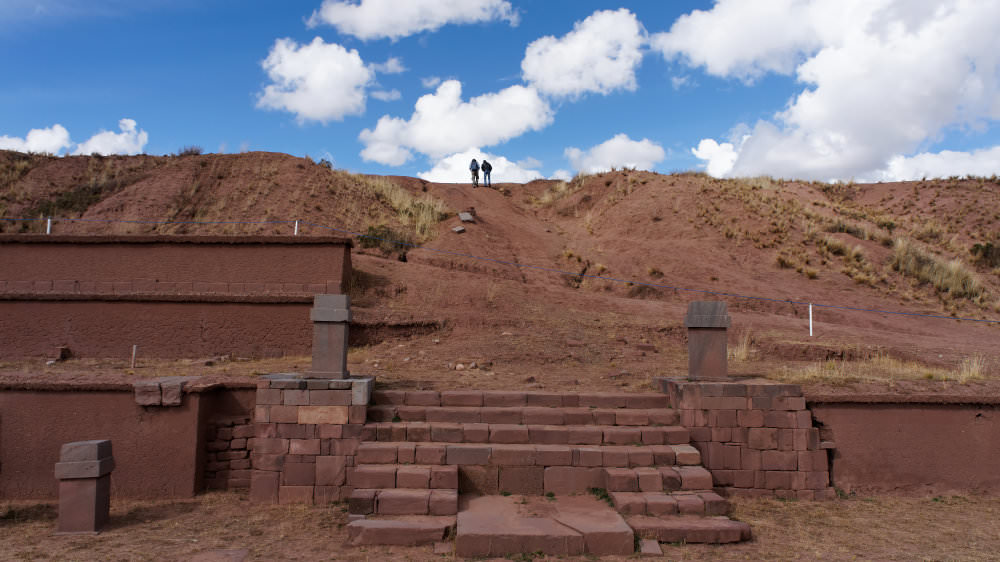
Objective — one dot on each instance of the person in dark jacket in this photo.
(474, 168)
(486, 168)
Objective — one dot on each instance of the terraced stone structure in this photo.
(509, 472)
(628, 448)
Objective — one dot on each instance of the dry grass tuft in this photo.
(880, 368)
(952, 277)
(971, 368)
(742, 351)
(560, 190)
(421, 213)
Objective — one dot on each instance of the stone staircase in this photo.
(420, 449)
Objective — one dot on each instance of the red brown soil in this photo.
(865, 528)
(496, 295)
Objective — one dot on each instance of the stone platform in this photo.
(499, 526)
(526, 472)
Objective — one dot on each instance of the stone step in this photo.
(657, 479)
(594, 456)
(695, 502)
(447, 432)
(505, 399)
(689, 529)
(401, 531)
(495, 526)
(420, 477)
(398, 501)
(536, 415)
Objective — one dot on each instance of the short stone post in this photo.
(84, 474)
(707, 322)
(331, 315)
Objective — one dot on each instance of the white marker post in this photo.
(810, 320)
(296, 227)
(48, 226)
(135, 350)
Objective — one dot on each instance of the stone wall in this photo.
(227, 460)
(307, 433)
(159, 449)
(757, 438)
(913, 444)
(173, 296)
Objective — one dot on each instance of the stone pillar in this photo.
(84, 474)
(331, 315)
(707, 322)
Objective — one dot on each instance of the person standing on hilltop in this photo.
(474, 168)
(487, 168)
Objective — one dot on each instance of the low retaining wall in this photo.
(912, 444)
(159, 451)
(173, 296)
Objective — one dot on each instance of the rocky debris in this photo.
(466, 217)
(458, 229)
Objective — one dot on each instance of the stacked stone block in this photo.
(227, 460)
(756, 438)
(306, 435)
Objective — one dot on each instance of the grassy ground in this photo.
(856, 528)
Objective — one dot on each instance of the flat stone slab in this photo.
(650, 548)
(497, 526)
(466, 217)
(411, 530)
(565, 526)
(603, 529)
(690, 529)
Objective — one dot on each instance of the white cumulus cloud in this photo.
(130, 140)
(395, 19)
(719, 157)
(430, 82)
(882, 77)
(617, 152)
(443, 124)
(599, 55)
(51, 140)
(947, 163)
(387, 95)
(392, 66)
(317, 81)
(564, 175)
(455, 169)
(529, 162)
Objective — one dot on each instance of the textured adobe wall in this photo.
(94, 328)
(173, 296)
(153, 449)
(160, 452)
(176, 259)
(925, 448)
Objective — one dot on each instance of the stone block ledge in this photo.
(931, 399)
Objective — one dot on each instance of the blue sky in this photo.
(816, 89)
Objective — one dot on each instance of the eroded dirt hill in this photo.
(559, 279)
